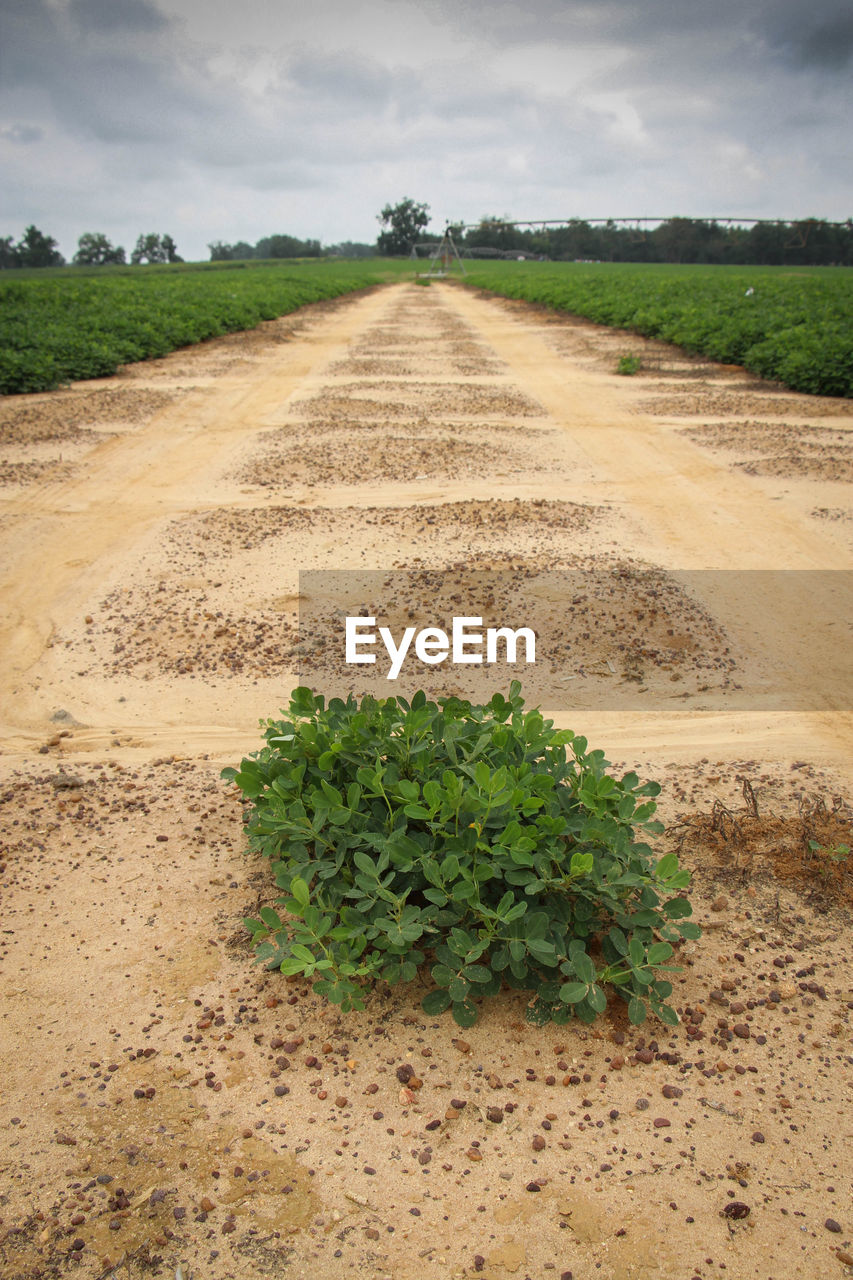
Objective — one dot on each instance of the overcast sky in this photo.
(235, 119)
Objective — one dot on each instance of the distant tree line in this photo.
(94, 249)
(282, 246)
(277, 246)
(808, 242)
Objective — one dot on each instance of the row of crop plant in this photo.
(59, 327)
(793, 327)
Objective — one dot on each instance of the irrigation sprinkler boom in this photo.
(444, 257)
(632, 222)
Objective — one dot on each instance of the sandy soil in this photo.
(167, 1107)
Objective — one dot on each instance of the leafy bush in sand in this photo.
(478, 845)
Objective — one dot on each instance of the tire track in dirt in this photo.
(687, 511)
(77, 532)
(690, 512)
(100, 536)
(473, 404)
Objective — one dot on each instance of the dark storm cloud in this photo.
(127, 16)
(25, 26)
(647, 21)
(336, 76)
(821, 39)
(101, 69)
(806, 24)
(234, 115)
(807, 34)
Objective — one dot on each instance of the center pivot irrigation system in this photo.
(444, 256)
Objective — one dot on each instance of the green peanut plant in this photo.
(794, 329)
(476, 846)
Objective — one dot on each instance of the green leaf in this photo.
(625, 808)
(667, 866)
(597, 999)
(464, 1013)
(250, 784)
(353, 795)
(677, 908)
(517, 949)
(432, 794)
(636, 1011)
(620, 942)
(573, 992)
(490, 988)
(542, 950)
(521, 857)
(416, 811)
(458, 987)
(505, 903)
(647, 919)
(302, 702)
(435, 1002)
(476, 973)
(482, 775)
(300, 891)
(450, 867)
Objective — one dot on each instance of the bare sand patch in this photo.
(393, 399)
(385, 457)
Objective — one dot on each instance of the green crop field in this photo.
(794, 326)
(66, 324)
(62, 325)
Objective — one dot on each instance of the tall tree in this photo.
(170, 249)
(35, 249)
(8, 253)
(403, 223)
(154, 248)
(94, 249)
(222, 252)
(149, 249)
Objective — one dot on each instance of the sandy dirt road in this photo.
(164, 1101)
(551, 430)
